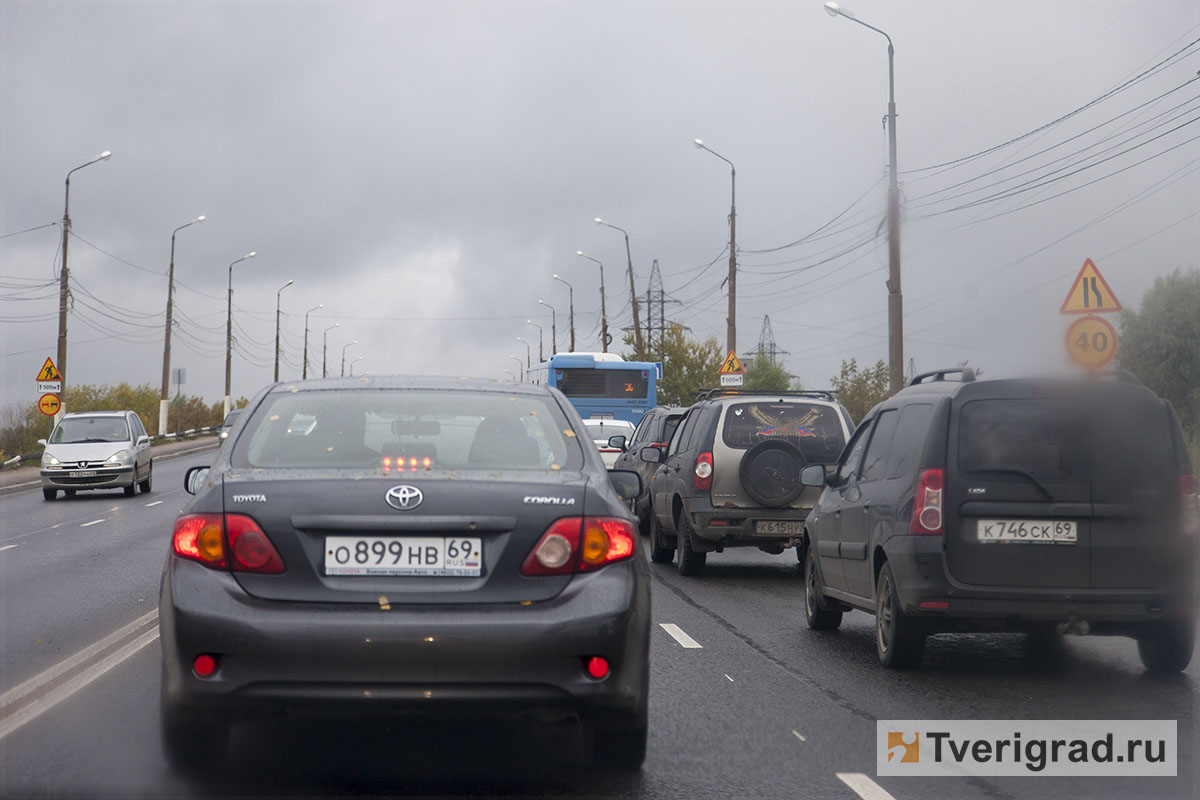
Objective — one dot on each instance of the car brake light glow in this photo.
(221, 541)
(702, 478)
(204, 665)
(927, 504)
(580, 544)
(597, 667)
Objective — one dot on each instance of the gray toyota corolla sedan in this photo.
(406, 548)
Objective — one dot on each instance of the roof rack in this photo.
(730, 391)
(967, 375)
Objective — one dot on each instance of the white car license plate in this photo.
(779, 526)
(437, 556)
(1036, 531)
(83, 473)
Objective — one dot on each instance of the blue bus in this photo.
(602, 385)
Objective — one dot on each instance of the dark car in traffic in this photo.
(426, 548)
(1025, 504)
(655, 429)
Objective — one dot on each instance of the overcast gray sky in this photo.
(423, 168)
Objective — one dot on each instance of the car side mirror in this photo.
(813, 475)
(617, 441)
(194, 479)
(42, 442)
(141, 440)
(651, 455)
(627, 483)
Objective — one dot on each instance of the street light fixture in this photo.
(281, 288)
(541, 352)
(553, 326)
(510, 374)
(637, 330)
(528, 357)
(164, 399)
(352, 363)
(62, 285)
(731, 321)
(344, 356)
(229, 333)
(304, 371)
(895, 296)
(325, 345)
(519, 367)
(572, 301)
(603, 312)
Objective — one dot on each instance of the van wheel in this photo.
(899, 639)
(818, 616)
(49, 494)
(1167, 646)
(691, 563)
(661, 551)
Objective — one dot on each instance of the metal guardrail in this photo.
(16, 461)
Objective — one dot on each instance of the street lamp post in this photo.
(304, 370)
(571, 297)
(229, 333)
(528, 357)
(281, 288)
(895, 296)
(603, 312)
(731, 322)
(510, 374)
(637, 329)
(325, 345)
(519, 367)
(553, 326)
(352, 363)
(62, 285)
(165, 397)
(344, 356)
(541, 352)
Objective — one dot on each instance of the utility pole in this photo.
(281, 288)
(229, 336)
(304, 370)
(603, 310)
(633, 299)
(731, 319)
(165, 398)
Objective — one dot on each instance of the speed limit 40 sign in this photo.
(1092, 341)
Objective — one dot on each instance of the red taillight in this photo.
(927, 504)
(204, 665)
(1188, 485)
(597, 667)
(580, 544)
(219, 541)
(702, 474)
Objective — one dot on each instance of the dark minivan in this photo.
(1036, 505)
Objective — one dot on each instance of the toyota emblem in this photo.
(404, 498)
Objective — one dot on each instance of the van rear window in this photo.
(816, 430)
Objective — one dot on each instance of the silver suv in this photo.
(730, 476)
(96, 450)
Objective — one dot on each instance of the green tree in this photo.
(765, 376)
(859, 390)
(688, 365)
(1160, 343)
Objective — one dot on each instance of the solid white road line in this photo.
(864, 787)
(93, 522)
(9, 547)
(678, 635)
(37, 681)
(66, 689)
(155, 503)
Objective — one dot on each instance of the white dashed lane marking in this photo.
(8, 547)
(93, 522)
(864, 787)
(155, 503)
(678, 635)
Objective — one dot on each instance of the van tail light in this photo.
(927, 505)
(702, 475)
(226, 541)
(1189, 489)
(580, 544)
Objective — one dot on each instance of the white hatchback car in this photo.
(603, 429)
(96, 450)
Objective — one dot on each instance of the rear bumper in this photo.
(716, 528)
(326, 658)
(105, 477)
(922, 576)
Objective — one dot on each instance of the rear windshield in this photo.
(607, 383)
(408, 429)
(602, 429)
(816, 430)
(79, 430)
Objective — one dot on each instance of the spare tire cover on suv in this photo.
(770, 472)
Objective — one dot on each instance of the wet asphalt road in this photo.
(762, 708)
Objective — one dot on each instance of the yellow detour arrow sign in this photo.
(1090, 293)
(1091, 341)
(49, 372)
(731, 365)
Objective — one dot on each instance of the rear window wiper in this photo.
(1027, 475)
